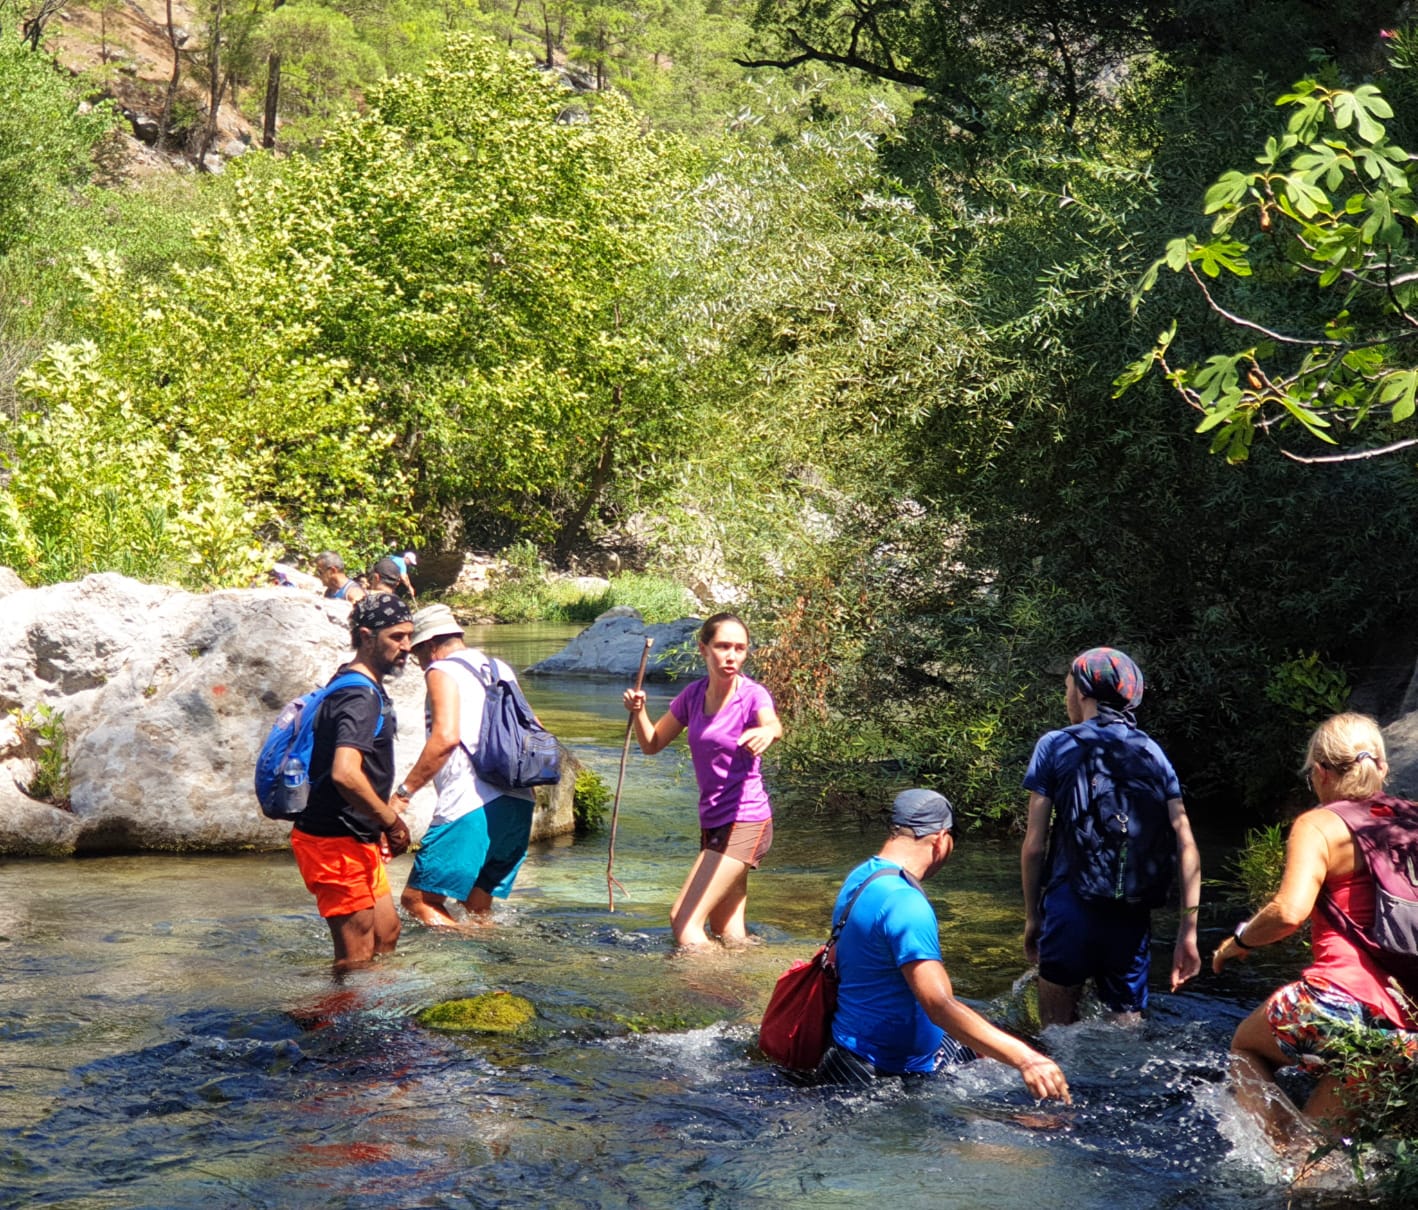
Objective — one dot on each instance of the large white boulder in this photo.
(165, 698)
(612, 645)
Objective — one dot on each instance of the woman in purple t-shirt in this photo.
(731, 721)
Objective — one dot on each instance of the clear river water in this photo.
(171, 1036)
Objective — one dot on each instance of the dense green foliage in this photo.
(846, 347)
(1330, 212)
(44, 140)
(524, 589)
(375, 324)
(590, 802)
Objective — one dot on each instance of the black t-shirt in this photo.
(349, 718)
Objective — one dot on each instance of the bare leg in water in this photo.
(1255, 1058)
(715, 893)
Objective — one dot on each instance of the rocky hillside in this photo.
(123, 46)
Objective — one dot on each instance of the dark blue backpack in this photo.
(283, 765)
(515, 752)
(1120, 845)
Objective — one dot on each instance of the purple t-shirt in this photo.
(730, 784)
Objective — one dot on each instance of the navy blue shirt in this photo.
(1056, 770)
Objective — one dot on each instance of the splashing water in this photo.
(170, 1036)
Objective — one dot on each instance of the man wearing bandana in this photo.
(350, 818)
(1073, 936)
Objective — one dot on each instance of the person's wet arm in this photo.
(1307, 857)
(1031, 868)
(929, 982)
(1186, 958)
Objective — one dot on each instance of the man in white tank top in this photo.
(478, 836)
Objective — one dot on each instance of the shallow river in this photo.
(170, 1035)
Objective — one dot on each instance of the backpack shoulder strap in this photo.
(487, 675)
(353, 680)
(348, 679)
(862, 886)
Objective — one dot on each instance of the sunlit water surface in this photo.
(170, 1035)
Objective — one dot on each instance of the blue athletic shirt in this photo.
(878, 1016)
(1055, 771)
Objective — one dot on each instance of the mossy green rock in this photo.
(488, 1013)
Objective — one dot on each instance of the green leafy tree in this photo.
(45, 141)
(1327, 220)
(446, 310)
(321, 65)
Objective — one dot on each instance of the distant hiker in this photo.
(391, 574)
(1106, 837)
(731, 721)
(478, 837)
(336, 840)
(331, 570)
(896, 1011)
(283, 575)
(1334, 868)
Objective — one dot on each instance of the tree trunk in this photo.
(571, 533)
(165, 125)
(273, 100)
(215, 85)
(273, 94)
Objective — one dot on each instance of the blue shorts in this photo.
(482, 849)
(1109, 944)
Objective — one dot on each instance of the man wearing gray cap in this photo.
(478, 836)
(896, 1012)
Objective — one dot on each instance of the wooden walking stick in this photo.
(611, 880)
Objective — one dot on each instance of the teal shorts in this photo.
(482, 849)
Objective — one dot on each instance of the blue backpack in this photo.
(1120, 845)
(283, 765)
(515, 752)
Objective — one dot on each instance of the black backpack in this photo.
(1120, 844)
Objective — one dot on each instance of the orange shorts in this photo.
(343, 874)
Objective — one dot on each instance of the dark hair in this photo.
(711, 626)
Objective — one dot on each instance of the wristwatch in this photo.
(1236, 935)
(402, 792)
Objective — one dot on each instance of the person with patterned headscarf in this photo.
(350, 820)
(1107, 836)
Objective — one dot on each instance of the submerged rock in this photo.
(495, 1012)
(165, 698)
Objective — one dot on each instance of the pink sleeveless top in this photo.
(1337, 961)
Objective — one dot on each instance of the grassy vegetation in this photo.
(525, 590)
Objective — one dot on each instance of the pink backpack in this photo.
(1385, 831)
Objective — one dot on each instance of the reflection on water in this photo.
(170, 1036)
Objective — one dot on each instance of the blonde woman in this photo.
(1327, 882)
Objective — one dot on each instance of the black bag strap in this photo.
(866, 882)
